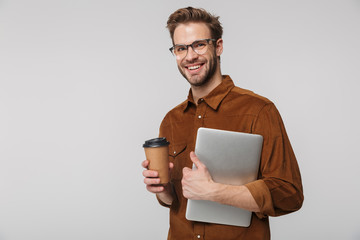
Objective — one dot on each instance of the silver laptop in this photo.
(231, 158)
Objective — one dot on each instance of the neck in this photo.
(201, 91)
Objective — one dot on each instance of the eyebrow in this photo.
(201, 39)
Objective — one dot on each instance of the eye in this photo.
(180, 48)
(200, 44)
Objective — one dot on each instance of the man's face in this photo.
(197, 69)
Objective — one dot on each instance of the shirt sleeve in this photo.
(278, 190)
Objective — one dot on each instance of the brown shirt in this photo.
(278, 189)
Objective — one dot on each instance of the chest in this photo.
(183, 130)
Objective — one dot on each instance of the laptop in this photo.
(231, 158)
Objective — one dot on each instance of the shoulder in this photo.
(245, 101)
(248, 94)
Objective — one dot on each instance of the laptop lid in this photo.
(231, 158)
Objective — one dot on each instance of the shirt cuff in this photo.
(262, 196)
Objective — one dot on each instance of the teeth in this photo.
(194, 67)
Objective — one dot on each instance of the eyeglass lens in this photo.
(199, 46)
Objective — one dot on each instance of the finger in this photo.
(150, 174)
(145, 163)
(196, 160)
(155, 189)
(186, 170)
(152, 181)
(171, 165)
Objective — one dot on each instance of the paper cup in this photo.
(157, 153)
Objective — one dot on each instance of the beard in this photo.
(200, 80)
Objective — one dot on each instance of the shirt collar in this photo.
(215, 97)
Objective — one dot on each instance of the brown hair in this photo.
(190, 14)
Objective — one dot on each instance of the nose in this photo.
(191, 54)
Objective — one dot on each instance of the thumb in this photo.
(196, 160)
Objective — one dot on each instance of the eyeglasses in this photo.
(199, 46)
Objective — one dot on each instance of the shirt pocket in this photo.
(177, 155)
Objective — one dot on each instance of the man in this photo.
(215, 102)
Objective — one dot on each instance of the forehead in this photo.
(189, 32)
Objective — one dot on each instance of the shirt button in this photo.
(174, 152)
(198, 236)
(199, 116)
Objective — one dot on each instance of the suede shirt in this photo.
(278, 189)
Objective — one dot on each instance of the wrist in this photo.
(166, 196)
(215, 192)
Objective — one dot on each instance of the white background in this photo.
(84, 83)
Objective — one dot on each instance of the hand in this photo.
(197, 184)
(152, 179)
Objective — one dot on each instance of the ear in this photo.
(219, 47)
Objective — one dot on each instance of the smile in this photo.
(194, 67)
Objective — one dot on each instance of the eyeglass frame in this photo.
(191, 45)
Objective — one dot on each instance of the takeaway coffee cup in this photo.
(157, 152)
